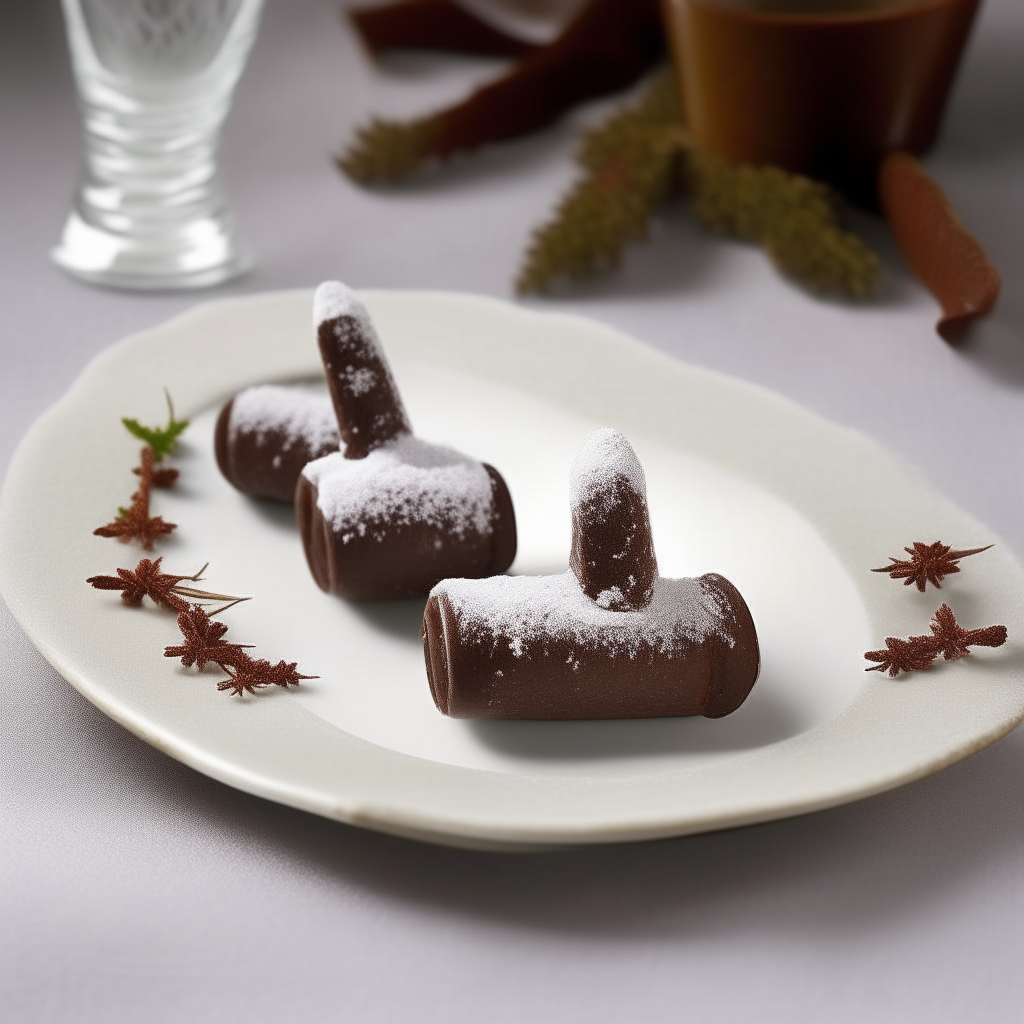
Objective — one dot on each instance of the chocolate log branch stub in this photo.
(609, 638)
(432, 25)
(366, 400)
(391, 515)
(266, 434)
(612, 548)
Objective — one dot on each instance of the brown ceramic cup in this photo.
(823, 87)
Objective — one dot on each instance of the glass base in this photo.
(200, 254)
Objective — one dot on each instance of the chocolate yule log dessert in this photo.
(266, 434)
(610, 638)
(390, 515)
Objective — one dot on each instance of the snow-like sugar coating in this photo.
(290, 409)
(404, 481)
(604, 456)
(333, 299)
(517, 610)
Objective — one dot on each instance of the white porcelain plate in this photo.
(794, 510)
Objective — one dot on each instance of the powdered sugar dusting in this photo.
(359, 381)
(517, 610)
(612, 597)
(404, 481)
(289, 409)
(333, 299)
(604, 455)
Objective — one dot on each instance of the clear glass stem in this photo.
(155, 80)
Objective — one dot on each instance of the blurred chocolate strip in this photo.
(947, 259)
(432, 25)
(605, 48)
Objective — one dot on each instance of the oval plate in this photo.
(794, 509)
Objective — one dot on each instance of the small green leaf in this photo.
(163, 440)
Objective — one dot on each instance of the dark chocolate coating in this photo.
(366, 400)
(259, 464)
(476, 674)
(407, 560)
(612, 546)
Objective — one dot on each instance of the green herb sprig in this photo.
(163, 440)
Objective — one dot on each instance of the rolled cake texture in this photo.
(391, 515)
(609, 638)
(266, 434)
(407, 515)
(537, 647)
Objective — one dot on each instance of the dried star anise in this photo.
(952, 640)
(909, 655)
(947, 638)
(203, 641)
(928, 563)
(163, 476)
(146, 580)
(135, 522)
(247, 674)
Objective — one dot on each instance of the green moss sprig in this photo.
(386, 151)
(641, 155)
(629, 164)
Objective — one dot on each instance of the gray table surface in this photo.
(135, 889)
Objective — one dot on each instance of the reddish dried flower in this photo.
(163, 476)
(947, 638)
(903, 655)
(203, 641)
(135, 522)
(248, 674)
(145, 581)
(284, 674)
(136, 525)
(928, 563)
(952, 640)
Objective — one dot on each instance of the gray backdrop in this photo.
(134, 889)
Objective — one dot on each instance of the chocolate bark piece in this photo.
(366, 399)
(391, 514)
(604, 640)
(266, 434)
